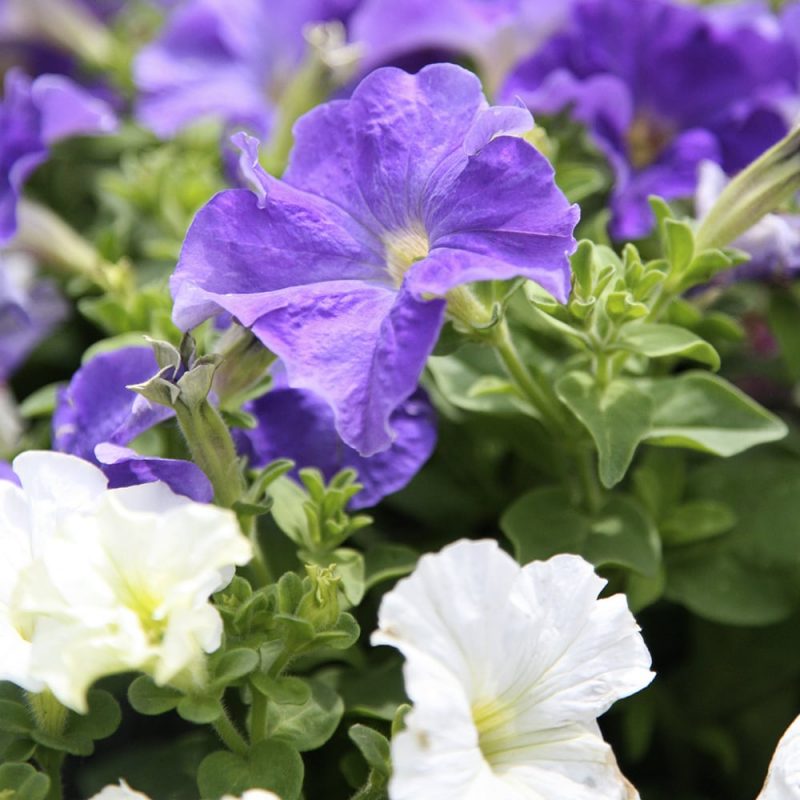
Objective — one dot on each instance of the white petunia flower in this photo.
(119, 792)
(124, 792)
(102, 581)
(508, 668)
(783, 778)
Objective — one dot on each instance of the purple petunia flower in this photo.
(391, 199)
(662, 87)
(494, 33)
(96, 416)
(225, 61)
(34, 114)
(30, 308)
(299, 425)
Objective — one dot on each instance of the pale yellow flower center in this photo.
(403, 248)
(143, 601)
(492, 719)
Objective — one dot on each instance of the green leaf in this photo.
(149, 699)
(544, 522)
(697, 520)
(74, 745)
(309, 725)
(200, 710)
(384, 562)
(40, 403)
(102, 719)
(375, 692)
(374, 746)
(287, 509)
(751, 575)
(18, 750)
(344, 634)
(704, 412)
(622, 534)
(270, 765)
(81, 730)
(286, 691)
(23, 782)
(618, 416)
(680, 244)
(656, 340)
(456, 377)
(15, 717)
(234, 665)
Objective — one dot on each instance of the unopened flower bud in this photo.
(762, 187)
(320, 604)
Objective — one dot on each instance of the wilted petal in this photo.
(125, 467)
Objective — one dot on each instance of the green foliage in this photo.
(618, 416)
(750, 573)
(272, 765)
(544, 522)
(705, 412)
(22, 782)
(308, 724)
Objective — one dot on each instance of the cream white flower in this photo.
(508, 669)
(54, 486)
(783, 778)
(101, 581)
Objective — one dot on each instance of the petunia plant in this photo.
(399, 400)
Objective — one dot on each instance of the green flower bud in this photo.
(320, 604)
(757, 190)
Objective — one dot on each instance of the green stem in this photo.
(259, 565)
(533, 383)
(51, 762)
(258, 717)
(212, 449)
(587, 473)
(231, 737)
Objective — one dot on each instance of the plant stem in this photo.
(51, 761)
(212, 449)
(592, 493)
(533, 384)
(259, 566)
(231, 737)
(258, 717)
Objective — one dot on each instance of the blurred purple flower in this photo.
(391, 199)
(663, 87)
(34, 114)
(30, 308)
(96, 416)
(226, 61)
(495, 34)
(299, 425)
